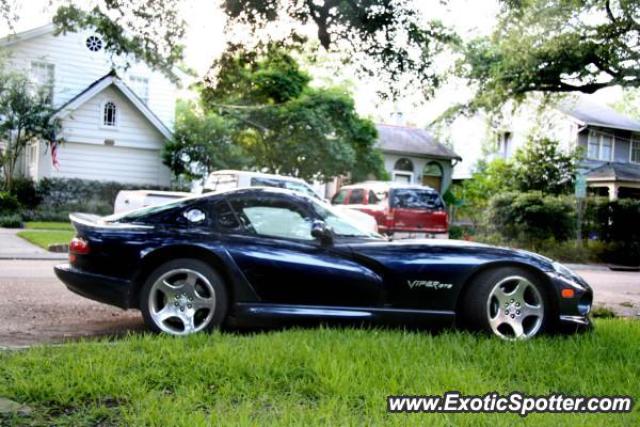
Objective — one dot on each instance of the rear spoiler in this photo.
(85, 220)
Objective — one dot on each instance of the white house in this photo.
(609, 140)
(113, 124)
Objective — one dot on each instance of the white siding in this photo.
(76, 67)
(133, 130)
(103, 163)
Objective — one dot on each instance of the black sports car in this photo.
(259, 254)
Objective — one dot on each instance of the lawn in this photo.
(48, 225)
(44, 238)
(321, 376)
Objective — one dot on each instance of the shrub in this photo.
(531, 217)
(11, 221)
(65, 195)
(25, 191)
(8, 204)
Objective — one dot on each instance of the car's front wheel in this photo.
(182, 297)
(508, 302)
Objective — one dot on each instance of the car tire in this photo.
(182, 297)
(508, 302)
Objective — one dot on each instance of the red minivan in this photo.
(401, 210)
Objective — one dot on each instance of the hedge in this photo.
(52, 199)
(531, 216)
(534, 220)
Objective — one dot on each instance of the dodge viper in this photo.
(259, 255)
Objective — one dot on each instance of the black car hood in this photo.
(439, 251)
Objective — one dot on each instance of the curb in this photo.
(34, 257)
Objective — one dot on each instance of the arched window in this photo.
(432, 176)
(404, 165)
(110, 114)
(403, 171)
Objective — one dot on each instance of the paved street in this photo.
(36, 308)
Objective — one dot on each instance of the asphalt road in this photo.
(36, 308)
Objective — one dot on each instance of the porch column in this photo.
(613, 192)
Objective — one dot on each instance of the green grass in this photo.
(318, 376)
(48, 225)
(44, 238)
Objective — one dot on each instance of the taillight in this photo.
(389, 216)
(79, 246)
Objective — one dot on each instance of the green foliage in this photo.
(26, 118)
(150, 32)
(261, 111)
(489, 179)
(61, 196)
(542, 166)
(25, 191)
(617, 224)
(531, 217)
(318, 376)
(390, 40)
(8, 203)
(202, 142)
(555, 46)
(11, 221)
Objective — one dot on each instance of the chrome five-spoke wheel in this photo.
(184, 296)
(515, 308)
(182, 301)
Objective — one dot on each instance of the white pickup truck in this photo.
(127, 200)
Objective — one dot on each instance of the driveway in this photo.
(14, 247)
(37, 308)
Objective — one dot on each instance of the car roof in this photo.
(385, 185)
(257, 174)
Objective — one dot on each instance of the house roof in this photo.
(12, 38)
(591, 113)
(112, 79)
(412, 141)
(615, 172)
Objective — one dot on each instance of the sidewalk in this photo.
(13, 247)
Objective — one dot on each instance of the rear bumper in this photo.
(97, 287)
(421, 234)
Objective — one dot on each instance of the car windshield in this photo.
(342, 225)
(415, 198)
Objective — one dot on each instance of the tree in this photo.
(388, 39)
(265, 108)
(489, 178)
(541, 166)
(202, 142)
(556, 46)
(25, 117)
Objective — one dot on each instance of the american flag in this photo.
(54, 155)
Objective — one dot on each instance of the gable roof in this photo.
(12, 38)
(412, 141)
(112, 79)
(590, 113)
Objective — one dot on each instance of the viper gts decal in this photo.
(433, 284)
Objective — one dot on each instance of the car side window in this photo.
(224, 218)
(356, 197)
(271, 217)
(338, 199)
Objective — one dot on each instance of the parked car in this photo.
(262, 254)
(401, 210)
(127, 200)
(230, 179)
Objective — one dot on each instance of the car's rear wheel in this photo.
(508, 302)
(182, 297)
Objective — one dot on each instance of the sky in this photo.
(205, 39)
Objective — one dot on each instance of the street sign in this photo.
(581, 186)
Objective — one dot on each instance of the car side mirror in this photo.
(322, 232)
